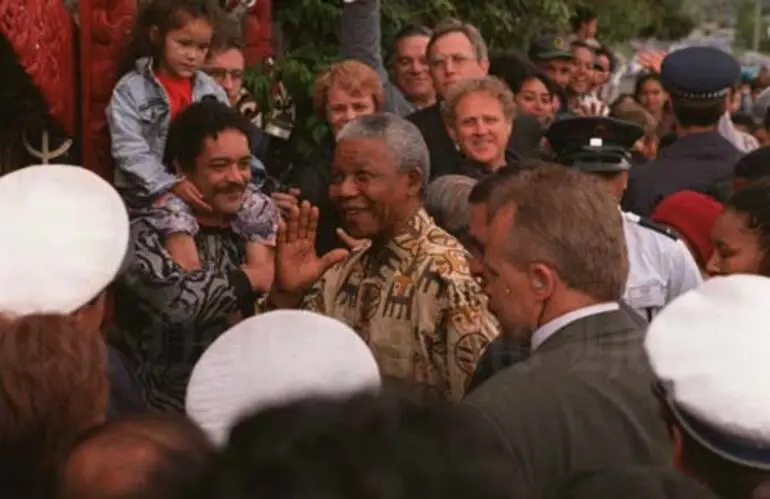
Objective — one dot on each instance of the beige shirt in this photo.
(416, 305)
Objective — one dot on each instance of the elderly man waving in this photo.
(409, 293)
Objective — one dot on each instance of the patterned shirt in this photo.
(165, 317)
(416, 305)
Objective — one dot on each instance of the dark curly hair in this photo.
(201, 120)
(165, 16)
(754, 202)
(365, 447)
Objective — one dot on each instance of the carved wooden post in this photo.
(258, 32)
(105, 26)
(40, 32)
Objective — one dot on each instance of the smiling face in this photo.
(372, 195)
(343, 106)
(534, 98)
(582, 70)
(222, 171)
(411, 72)
(481, 129)
(185, 49)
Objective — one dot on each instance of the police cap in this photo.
(594, 144)
(699, 73)
(549, 47)
(708, 348)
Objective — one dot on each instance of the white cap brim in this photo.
(63, 238)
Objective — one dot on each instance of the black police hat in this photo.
(594, 144)
(549, 47)
(699, 73)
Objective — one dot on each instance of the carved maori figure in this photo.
(40, 32)
(105, 26)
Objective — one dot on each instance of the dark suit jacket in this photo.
(445, 159)
(583, 401)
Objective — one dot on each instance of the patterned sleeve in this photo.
(469, 328)
(179, 298)
(257, 221)
(171, 215)
(312, 301)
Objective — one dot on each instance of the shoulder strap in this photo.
(659, 228)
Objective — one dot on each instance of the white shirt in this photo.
(660, 268)
(549, 328)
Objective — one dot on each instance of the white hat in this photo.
(272, 359)
(63, 237)
(710, 349)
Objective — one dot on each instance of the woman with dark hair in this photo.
(534, 92)
(741, 234)
(650, 93)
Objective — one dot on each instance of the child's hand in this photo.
(286, 200)
(191, 195)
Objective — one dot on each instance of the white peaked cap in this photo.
(273, 359)
(63, 237)
(710, 348)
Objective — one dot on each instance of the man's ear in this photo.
(543, 281)
(484, 63)
(414, 181)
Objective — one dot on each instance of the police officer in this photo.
(699, 80)
(709, 350)
(660, 265)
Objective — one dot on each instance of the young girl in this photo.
(161, 77)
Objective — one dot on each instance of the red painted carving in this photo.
(40, 33)
(105, 27)
(258, 32)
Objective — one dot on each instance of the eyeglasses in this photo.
(221, 73)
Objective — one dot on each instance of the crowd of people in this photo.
(494, 279)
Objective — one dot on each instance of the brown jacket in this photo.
(582, 401)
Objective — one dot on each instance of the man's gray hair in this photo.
(402, 138)
(470, 31)
(446, 200)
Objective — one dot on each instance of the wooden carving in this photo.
(41, 35)
(258, 32)
(105, 28)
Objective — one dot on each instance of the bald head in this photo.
(150, 456)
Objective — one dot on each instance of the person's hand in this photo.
(191, 195)
(651, 60)
(593, 108)
(349, 241)
(297, 266)
(285, 201)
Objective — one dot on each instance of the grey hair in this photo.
(446, 200)
(402, 138)
(470, 31)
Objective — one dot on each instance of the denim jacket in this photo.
(139, 117)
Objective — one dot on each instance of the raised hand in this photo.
(186, 190)
(297, 266)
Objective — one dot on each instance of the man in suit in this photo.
(555, 266)
(457, 51)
